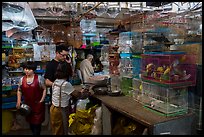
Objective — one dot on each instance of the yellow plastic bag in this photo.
(81, 122)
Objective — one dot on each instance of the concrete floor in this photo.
(45, 131)
(21, 127)
(24, 128)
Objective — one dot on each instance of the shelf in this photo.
(40, 71)
(9, 87)
(9, 105)
(19, 47)
(15, 71)
(26, 47)
(9, 99)
(7, 47)
(6, 88)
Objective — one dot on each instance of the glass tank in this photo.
(166, 101)
(105, 58)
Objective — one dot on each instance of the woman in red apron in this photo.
(33, 90)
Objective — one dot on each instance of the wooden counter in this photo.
(155, 123)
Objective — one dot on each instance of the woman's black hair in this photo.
(64, 70)
(30, 65)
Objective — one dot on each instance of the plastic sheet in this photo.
(21, 19)
(82, 121)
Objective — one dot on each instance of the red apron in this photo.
(32, 94)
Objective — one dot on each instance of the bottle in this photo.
(82, 104)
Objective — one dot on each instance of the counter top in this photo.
(133, 109)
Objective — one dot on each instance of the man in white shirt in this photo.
(87, 72)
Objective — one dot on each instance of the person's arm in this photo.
(49, 74)
(90, 68)
(48, 83)
(42, 84)
(69, 89)
(19, 94)
(43, 96)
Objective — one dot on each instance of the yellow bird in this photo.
(160, 69)
(167, 70)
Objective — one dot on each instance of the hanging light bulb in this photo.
(101, 9)
(114, 9)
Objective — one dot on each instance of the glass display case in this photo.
(115, 83)
(137, 89)
(166, 101)
(136, 66)
(105, 58)
(126, 85)
(130, 42)
(126, 64)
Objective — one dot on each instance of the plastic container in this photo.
(82, 104)
(137, 89)
(126, 86)
(88, 26)
(125, 64)
(130, 42)
(115, 83)
(136, 64)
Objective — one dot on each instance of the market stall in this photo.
(150, 51)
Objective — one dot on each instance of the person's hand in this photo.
(68, 60)
(41, 101)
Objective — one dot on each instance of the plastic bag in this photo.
(22, 18)
(81, 122)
